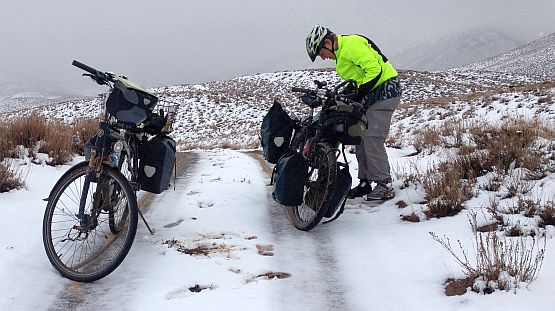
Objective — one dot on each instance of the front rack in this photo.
(169, 110)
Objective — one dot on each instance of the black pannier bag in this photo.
(275, 133)
(290, 174)
(345, 123)
(156, 163)
(129, 103)
(341, 188)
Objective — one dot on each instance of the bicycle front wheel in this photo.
(317, 192)
(89, 249)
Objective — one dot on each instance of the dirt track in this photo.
(184, 161)
(75, 295)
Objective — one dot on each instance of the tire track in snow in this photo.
(99, 295)
(309, 257)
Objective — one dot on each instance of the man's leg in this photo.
(377, 162)
(363, 188)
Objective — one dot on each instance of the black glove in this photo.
(311, 100)
(363, 90)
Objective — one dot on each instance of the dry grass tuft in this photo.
(500, 262)
(446, 192)
(510, 144)
(548, 215)
(6, 144)
(412, 217)
(58, 143)
(457, 287)
(38, 135)
(27, 131)
(83, 130)
(426, 139)
(9, 178)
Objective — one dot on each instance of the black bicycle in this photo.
(91, 217)
(310, 181)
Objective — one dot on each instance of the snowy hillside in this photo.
(535, 58)
(228, 113)
(221, 243)
(21, 92)
(456, 50)
(27, 100)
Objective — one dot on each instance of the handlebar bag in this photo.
(341, 188)
(129, 103)
(345, 123)
(275, 133)
(290, 174)
(156, 163)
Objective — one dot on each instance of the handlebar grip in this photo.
(300, 90)
(84, 67)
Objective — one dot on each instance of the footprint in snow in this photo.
(188, 290)
(265, 250)
(267, 276)
(174, 224)
(205, 204)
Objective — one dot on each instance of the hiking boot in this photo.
(381, 192)
(363, 188)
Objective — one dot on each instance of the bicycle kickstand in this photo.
(146, 223)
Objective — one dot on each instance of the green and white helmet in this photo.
(315, 40)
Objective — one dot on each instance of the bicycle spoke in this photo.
(88, 249)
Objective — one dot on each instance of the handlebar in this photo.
(84, 67)
(98, 76)
(316, 97)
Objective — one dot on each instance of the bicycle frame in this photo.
(98, 159)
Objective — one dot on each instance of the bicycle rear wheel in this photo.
(86, 253)
(317, 192)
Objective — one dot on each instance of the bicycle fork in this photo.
(95, 166)
(86, 220)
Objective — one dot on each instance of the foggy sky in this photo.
(168, 42)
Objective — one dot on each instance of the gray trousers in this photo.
(373, 163)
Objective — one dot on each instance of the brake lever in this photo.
(96, 79)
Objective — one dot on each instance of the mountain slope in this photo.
(448, 52)
(229, 113)
(535, 58)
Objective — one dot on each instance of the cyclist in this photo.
(357, 57)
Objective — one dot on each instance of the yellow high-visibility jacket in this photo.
(358, 58)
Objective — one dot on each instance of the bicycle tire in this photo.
(115, 217)
(318, 190)
(61, 233)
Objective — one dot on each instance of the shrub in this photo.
(35, 133)
(83, 130)
(547, 215)
(27, 131)
(426, 139)
(517, 185)
(500, 262)
(509, 145)
(470, 166)
(446, 192)
(6, 144)
(57, 143)
(9, 178)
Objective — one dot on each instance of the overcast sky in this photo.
(187, 41)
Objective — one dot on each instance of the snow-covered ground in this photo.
(368, 259)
